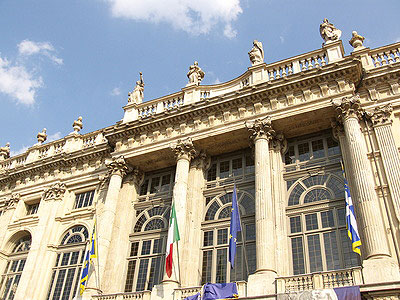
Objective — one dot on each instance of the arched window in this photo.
(146, 255)
(15, 266)
(67, 270)
(216, 267)
(316, 207)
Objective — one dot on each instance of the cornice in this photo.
(348, 69)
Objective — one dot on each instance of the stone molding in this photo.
(337, 128)
(117, 166)
(381, 115)
(13, 201)
(348, 107)
(136, 176)
(201, 161)
(261, 129)
(278, 143)
(184, 149)
(54, 192)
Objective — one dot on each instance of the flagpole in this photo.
(179, 265)
(97, 250)
(80, 273)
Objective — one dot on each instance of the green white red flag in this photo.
(173, 236)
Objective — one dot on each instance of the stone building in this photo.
(278, 132)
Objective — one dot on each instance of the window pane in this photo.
(237, 271)
(208, 238)
(318, 149)
(206, 269)
(317, 195)
(222, 236)
(65, 259)
(341, 216)
(146, 247)
(249, 164)
(165, 183)
(143, 187)
(290, 157)
(141, 280)
(251, 257)
(351, 259)
(294, 197)
(155, 182)
(212, 173)
(158, 246)
(331, 251)
(68, 284)
(59, 284)
(237, 167)
(333, 146)
(311, 222)
(129, 276)
(327, 219)
(221, 265)
(314, 253)
(155, 271)
(224, 169)
(134, 249)
(295, 224)
(74, 258)
(297, 255)
(304, 152)
(250, 232)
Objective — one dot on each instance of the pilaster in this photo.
(263, 281)
(378, 265)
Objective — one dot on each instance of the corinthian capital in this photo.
(54, 192)
(279, 143)
(117, 166)
(348, 107)
(337, 128)
(13, 200)
(381, 115)
(184, 149)
(261, 129)
(201, 161)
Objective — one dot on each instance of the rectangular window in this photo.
(221, 265)
(84, 199)
(311, 222)
(297, 255)
(222, 236)
(206, 269)
(237, 168)
(165, 183)
(314, 253)
(212, 173)
(333, 146)
(304, 152)
(327, 219)
(155, 185)
(295, 224)
(143, 187)
(249, 164)
(224, 169)
(290, 157)
(331, 251)
(208, 238)
(351, 259)
(318, 149)
(32, 209)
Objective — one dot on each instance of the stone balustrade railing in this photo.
(144, 295)
(70, 143)
(320, 280)
(386, 55)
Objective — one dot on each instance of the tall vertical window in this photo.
(15, 266)
(146, 256)
(157, 185)
(84, 199)
(66, 272)
(316, 206)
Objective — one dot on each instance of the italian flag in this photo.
(173, 236)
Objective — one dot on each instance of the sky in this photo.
(63, 59)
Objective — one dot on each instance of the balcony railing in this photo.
(144, 295)
(320, 280)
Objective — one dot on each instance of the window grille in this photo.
(84, 199)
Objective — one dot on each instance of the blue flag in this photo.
(194, 297)
(90, 253)
(213, 291)
(234, 227)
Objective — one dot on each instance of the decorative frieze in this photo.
(54, 192)
(184, 148)
(348, 107)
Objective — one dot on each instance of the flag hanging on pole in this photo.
(90, 253)
(234, 227)
(173, 236)
(351, 224)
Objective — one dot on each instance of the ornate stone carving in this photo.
(5, 152)
(256, 54)
(356, 41)
(337, 128)
(117, 166)
(54, 192)
(184, 149)
(136, 176)
(137, 95)
(12, 202)
(77, 125)
(195, 74)
(329, 32)
(279, 143)
(201, 160)
(42, 137)
(348, 107)
(261, 128)
(381, 115)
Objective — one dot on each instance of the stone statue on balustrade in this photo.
(329, 32)
(256, 54)
(138, 93)
(195, 74)
(356, 41)
(5, 152)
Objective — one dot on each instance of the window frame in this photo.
(89, 203)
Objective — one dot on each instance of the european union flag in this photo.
(213, 291)
(234, 227)
(90, 253)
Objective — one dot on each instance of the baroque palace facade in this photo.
(278, 132)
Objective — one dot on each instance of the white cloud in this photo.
(116, 91)
(27, 48)
(195, 17)
(217, 81)
(17, 82)
(282, 39)
(54, 137)
(19, 151)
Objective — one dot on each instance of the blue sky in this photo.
(64, 59)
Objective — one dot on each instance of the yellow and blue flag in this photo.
(352, 230)
(234, 227)
(90, 253)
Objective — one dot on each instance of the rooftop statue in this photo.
(77, 125)
(356, 41)
(256, 54)
(5, 152)
(195, 74)
(137, 95)
(329, 32)
(41, 137)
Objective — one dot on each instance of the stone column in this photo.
(192, 242)
(382, 125)
(378, 265)
(41, 257)
(106, 218)
(113, 278)
(263, 281)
